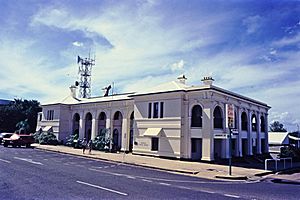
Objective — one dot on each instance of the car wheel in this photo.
(27, 145)
(5, 145)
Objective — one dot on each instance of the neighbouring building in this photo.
(171, 120)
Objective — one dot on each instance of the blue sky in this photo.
(249, 47)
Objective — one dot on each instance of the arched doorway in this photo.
(117, 133)
(196, 125)
(88, 126)
(76, 119)
(131, 132)
(254, 129)
(244, 120)
(101, 122)
(218, 125)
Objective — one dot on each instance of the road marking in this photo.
(147, 180)
(183, 187)
(207, 191)
(28, 160)
(131, 177)
(5, 161)
(167, 184)
(231, 195)
(102, 188)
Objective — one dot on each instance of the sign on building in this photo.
(230, 116)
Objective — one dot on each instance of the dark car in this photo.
(4, 135)
(17, 140)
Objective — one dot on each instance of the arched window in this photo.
(117, 115)
(262, 124)
(253, 123)
(244, 122)
(218, 119)
(88, 116)
(102, 116)
(76, 117)
(196, 116)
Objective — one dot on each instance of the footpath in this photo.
(197, 169)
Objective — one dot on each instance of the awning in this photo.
(294, 138)
(152, 132)
(47, 128)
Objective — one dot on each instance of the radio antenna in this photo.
(85, 72)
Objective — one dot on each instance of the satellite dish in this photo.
(78, 59)
(76, 83)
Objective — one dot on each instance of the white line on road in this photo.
(231, 195)
(131, 177)
(102, 188)
(5, 161)
(29, 160)
(183, 187)
(207, 191)
(147, 180)
(167, 184)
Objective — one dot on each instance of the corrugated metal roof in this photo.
(278, 138)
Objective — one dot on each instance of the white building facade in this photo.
(171, 120)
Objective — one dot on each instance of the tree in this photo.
(276, 126)
(17, 111)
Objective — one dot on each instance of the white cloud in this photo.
(25, 76)
(77, 44)
(294, 40)
(178, 66)
(252, 23)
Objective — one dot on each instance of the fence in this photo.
(276, 163)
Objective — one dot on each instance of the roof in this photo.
(69, 100)
(176, 86)
(163, 88)
(278, 138)
(173, 86)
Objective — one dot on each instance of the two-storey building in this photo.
(171, 120)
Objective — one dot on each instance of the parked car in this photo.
(4, 135)
(18, 140)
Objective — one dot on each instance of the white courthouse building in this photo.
(170, 120)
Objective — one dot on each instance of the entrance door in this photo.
(196, 148)
(115, 146)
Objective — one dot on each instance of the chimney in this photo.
(207, 80)
(73, 91)
(182, 79)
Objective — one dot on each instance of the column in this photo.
(249, 133)
(258, 134)
(185, 138)
(207, 132)
(94, 126)
(108, 126)
(266, 150)
(125, 135)
(81, 126)
(239, 146)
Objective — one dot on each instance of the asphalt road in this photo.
(36, 174)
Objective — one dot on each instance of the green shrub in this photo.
(45, 138)
(72, 140)
(102, 140)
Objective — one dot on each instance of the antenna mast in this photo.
(85, 72)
